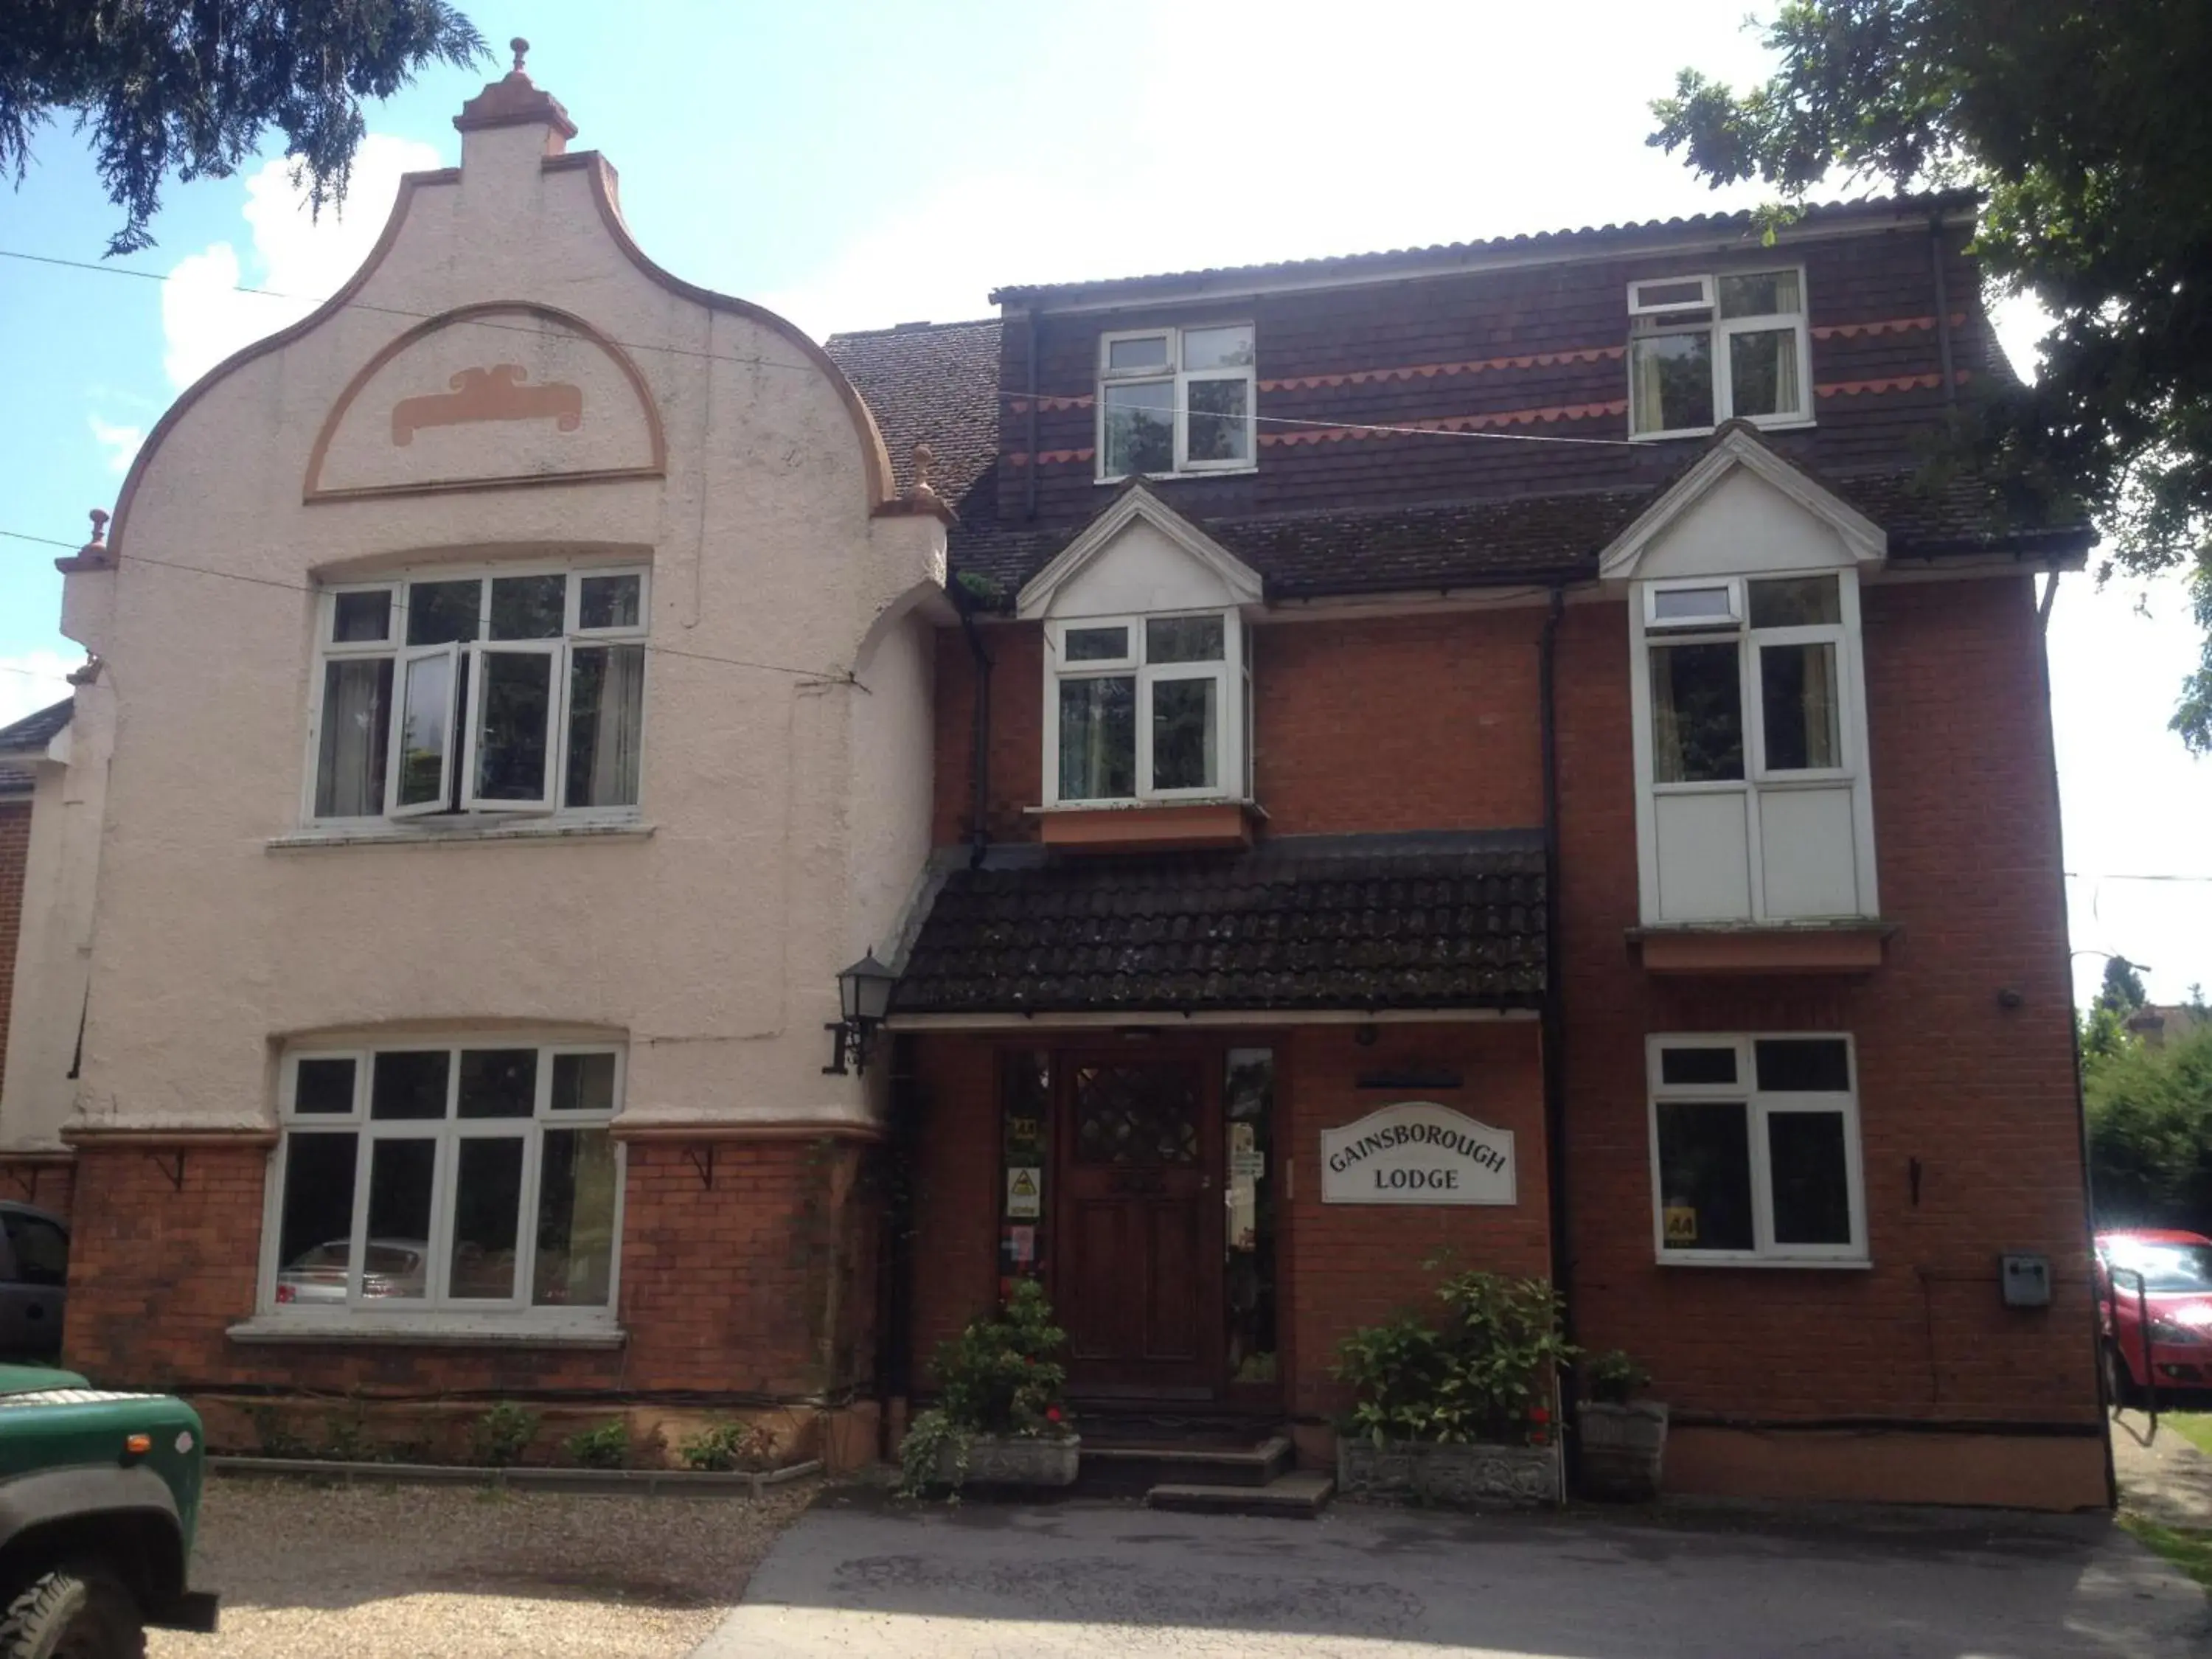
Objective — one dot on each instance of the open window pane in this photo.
(356, 618)
(1183, 639)
(514, 710)
(1687, 292)
(497, 1083)
(1099, 738)
(1796, 602)
(1697, 713)
(583, 1082)
(349, 763)
(576, 1190)
(1811, 1179)
(1763, 377)
(442, 613)
(1220, 425)
(1705, 1175)
(323, 1085)
(1671, 381)
(1761, 294)
(402, 1175)
(1798, 703)
(314, 1229)
(425, 733)
(529, 607)
(609, 601)
(409, 1084)
(487, 1217)
(1691, 607)
(1147, 351)
(606, 715)
(1139, 428)
(1217, 348)
(1184, 721)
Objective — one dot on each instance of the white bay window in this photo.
(1141, 709)
(503, 692)
(475, 1177)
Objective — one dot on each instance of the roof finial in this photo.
(924, 459)
(98, 542)
(521, 50)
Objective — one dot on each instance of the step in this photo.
(1299, 1495)
(1131, 1467)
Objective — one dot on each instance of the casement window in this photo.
(1706, 350)
(1755, 1149)
(503, 692)
(1147, 709)
(1176, 400)
(1752, 748)
(475, 1176)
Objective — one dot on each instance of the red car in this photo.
(2176, 1286)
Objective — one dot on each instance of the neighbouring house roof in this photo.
(1450, 920)
(26, 740)
(1590, 239)
(933, 383)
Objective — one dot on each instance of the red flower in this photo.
(1538, 1414)
(1052, 1413)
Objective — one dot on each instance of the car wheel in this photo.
(76, 1612)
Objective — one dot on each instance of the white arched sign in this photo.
(1417, 1152)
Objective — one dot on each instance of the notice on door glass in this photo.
(1024, 1192)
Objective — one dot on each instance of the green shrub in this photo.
(1001, 1376)
(721, 1446)
(501, 1435)
(1614, 1379)
(1480, 1370)
(606, 1447)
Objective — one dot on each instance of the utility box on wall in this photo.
(2025, 1279)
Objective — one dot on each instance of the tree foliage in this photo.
(188, 86)
(2086, 126)
(2150, 1133)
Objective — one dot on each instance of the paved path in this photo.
(859, 1577)
(2161, 1474)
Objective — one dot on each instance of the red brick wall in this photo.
(1966, 844)
(956, 1187)
(46, 1182)
(729, 1288)
(14, 850)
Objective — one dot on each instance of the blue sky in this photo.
(856, 165)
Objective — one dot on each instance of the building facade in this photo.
(1497, 752)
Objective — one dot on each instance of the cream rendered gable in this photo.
(1138, 557)
(1769, 847)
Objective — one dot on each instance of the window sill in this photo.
(1682, 434)
(1154, 826)
(430, 1330)
(1720, 948)
(1174, 477)
(1730, 1259)
(473, 835)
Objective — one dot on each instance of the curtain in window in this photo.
(605, 715)
(1650, 413)
(1797, 693)
(1697, 713)
(356, 720)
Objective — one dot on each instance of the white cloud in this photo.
(31, 681)
(301, 259)
(121, 442)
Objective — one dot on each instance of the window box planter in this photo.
(1473, 1475)
(1013, 1460)
(1623, 1449)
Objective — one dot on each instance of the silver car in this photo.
(391, 1267)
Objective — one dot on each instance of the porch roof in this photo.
(1434, 920)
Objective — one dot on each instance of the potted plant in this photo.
(1455, 1409)
(1624, 1439)
(1000, 1419)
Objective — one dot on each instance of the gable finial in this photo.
(924, 459)
(521, 49)
(98, 542)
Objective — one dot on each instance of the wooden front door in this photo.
(1139, 1282)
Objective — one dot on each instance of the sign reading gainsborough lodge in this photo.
(1417, 1152)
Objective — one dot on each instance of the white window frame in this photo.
(447, 1132)
(1179, 381)
(1758, 1107)
(1722, 331)
(1758, 778)
(1231, 676)
(461, 741)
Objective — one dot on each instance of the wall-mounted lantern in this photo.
(864, 991)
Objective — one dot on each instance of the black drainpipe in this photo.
(979, 761)
(1942, 311)
(894, 1357)
(1553, 1028)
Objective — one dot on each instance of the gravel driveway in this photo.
(419, 1572)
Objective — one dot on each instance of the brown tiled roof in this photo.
(1506, 541)
(29, 736)
(1589, 239)
(933, 383)
(1426, 920)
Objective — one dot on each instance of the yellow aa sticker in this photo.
(1681, 1224)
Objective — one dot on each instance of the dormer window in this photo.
(1145, 709)
(1709, 349)
(1175, 400)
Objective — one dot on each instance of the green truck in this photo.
(99, 1493)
